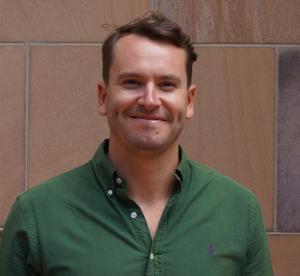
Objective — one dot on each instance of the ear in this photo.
(191, 96)
(102, 93)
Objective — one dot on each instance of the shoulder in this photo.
(216, 182)
(65, 184)
(228, 197)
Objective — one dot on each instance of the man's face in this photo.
(147, 98)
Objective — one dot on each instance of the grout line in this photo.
(30, 43)
(247, 45)
(283, 233)
(99, 44)
(96, 44)
(27, 88)
(8, 44)
(275, 146)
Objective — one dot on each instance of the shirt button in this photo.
(133, 215)
(151, 256)
(110, 192)
(118, 180)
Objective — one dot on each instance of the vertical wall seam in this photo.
(27, 88)
(152, 4)
(275, 146)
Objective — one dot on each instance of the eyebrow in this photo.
(136, 75)
(128, 75)
(171, 77)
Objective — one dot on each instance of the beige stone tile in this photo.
(56, 20)
(64, 126)
(11, 126)
(285, 252)
(233, 128)
(235, 21)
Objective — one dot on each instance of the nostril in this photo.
(149, 100)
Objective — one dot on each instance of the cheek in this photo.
(119, 104)
(176, 106)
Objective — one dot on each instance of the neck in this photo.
(149, 175)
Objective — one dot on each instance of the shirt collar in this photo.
(105, 172)
(109, 178)
(183, 171)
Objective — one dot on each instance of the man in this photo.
(139, 207)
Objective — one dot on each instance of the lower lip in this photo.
(143, 120)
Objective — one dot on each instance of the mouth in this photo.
(146, 117)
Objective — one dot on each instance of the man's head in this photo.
(147, 93)
(153, 26)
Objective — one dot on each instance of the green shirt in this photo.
(81, 223)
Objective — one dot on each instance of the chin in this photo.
(150, 143)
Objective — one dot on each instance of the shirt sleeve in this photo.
(258, 256)
(15, 255)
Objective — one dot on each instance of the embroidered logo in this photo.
(210, 249)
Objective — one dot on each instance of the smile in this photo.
(146, 121)
(147, 118)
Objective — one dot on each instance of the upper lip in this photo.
(147, 116)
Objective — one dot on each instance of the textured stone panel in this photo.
(289, 140)
(11, 126)
(64, 20)
(236, 21)
(233, 126)
(64, 126)
(285, 252)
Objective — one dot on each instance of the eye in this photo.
(131, 83)
(167, 86)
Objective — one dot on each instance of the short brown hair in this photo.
(154, 26)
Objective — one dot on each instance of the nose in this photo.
(149, 99)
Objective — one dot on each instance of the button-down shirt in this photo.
(82, 223)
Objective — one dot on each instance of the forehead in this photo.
(140, 54)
